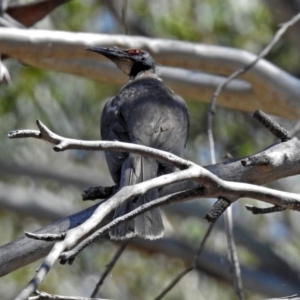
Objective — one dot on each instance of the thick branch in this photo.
(197, 173)
(213, 187)
(282, 160)
(209, 263)
(273, 90)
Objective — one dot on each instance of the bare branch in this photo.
(64, 52)
(188, 269)
(235, 268)
(257, 210)
(46, 296)
(109, 267)
(282, 160)
(63, 144)
(46, 236)
(195, 172)
(293, 297)
(275, 128)
(181, 196)
(4, 74)
(42, 272)
(271, 125)
(214, 187)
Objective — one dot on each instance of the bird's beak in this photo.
(118, 56)
(107, 52)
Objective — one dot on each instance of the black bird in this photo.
(144, 112)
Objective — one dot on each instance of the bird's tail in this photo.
(148, 225)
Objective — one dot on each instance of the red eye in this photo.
(134, 51)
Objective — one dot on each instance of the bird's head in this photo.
(130, 61)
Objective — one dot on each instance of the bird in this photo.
(145, 112)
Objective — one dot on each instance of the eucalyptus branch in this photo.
(62, 144)
(280, 160)
(64, 52)
(212, 185)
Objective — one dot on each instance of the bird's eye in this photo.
(134, 51)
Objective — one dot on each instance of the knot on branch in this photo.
(98, 192)
(260, 160)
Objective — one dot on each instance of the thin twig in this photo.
(232, 256)
(235, 268)
(109, 268)
(124, 16)
(264, 52)
(211, 113)
(62, 144)
(46, 296)
(272, 125)
(42, 272)
(258, 211)
(46, 236)
(192, 266)
(222, 85)
(294, 297)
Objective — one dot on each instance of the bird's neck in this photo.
(148, 73)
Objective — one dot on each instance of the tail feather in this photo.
(148, 225)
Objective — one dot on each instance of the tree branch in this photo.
(63, 144)
(192, 266)
(64, 52)
(46, 296)
(282, 161)
(213, 187)
(109, 268)
(265, 120)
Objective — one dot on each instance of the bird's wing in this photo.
(114, 128)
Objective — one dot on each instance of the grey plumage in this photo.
(145, 112)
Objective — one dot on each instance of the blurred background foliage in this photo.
(71, 106)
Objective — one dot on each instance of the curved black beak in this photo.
(108, 52)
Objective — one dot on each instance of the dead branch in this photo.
(64, 52)
(213, 187)
(62, 144)
(190, 268)
(109, 267)
(46, 296)
(209, 262)
(282, 161)
(265, 120)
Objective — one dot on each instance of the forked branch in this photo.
(212, 186)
